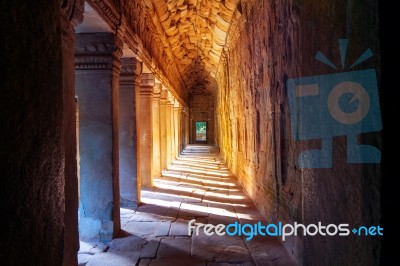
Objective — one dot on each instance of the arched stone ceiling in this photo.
(196, 31)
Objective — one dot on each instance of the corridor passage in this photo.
(196, 186)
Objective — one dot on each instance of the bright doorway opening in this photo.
(201, 131)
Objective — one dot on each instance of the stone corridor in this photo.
(124, 119)
(199, 186)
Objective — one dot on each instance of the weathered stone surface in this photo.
(148, 40)
(150, 250)
(94, 69)
(144, 101)
(147, 230)
(173, 247)
(37, 134)
(223, 249)
(126, 215)
(178, 262)
(92, 247)
(221, 219)
(127, 133)
(144, 262)
(193, 210)
(267, 250)
(114, 259)
(179, 228)
(230, 264)
(84, 258)
(151, 212)
(163, 230)
(197, 34)
(271, 43)
(129, 243)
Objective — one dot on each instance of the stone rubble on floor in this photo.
(196, 186)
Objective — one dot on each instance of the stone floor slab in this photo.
(129, 243)
(84, 258)
(144, 262)
(173, 247)
(178, 262)
(114, 259)
(92, 247)
(179, 228)
(146, 230)
(189, 211)
(163, 229)
(221, 219)
(230, 264)
(216, 248)
(267, 250)
(150, 250)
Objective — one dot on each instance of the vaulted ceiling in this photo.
(196, 31)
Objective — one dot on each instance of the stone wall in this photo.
(268, 43)
(32, 149)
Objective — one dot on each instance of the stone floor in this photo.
(197, 186)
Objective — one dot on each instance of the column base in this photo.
(95, 230)
(127, 203)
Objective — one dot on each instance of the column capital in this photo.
(157, 90)
(95, 51)
(131, 66)
(71, 16)
(164, 92)
(131, 69)
(170, 98)
(163, 95)
(147, 82)
(177, 105)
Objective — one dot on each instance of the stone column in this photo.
(163, 128)
(72, 15)
(97, 67)
(177, 127)
(144, 117)
(156, 131)
(170, 127)
(181, 134)
(186, 128)
(192, 132)
(183, 129)
(129, 82)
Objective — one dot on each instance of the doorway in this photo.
(201, 132)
